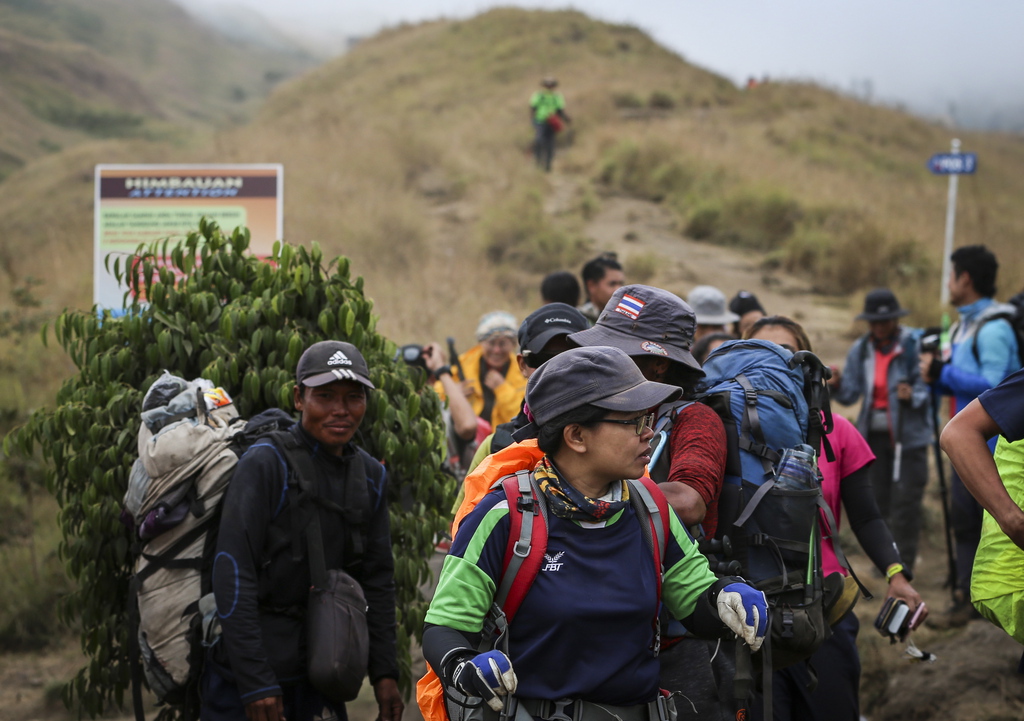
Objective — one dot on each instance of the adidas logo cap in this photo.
(332, 360)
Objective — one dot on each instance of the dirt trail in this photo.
(636, 227)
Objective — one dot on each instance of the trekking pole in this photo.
(951, 581)
(453, 359)
(897, 453)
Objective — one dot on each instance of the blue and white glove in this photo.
(745, 611)
(487, 676)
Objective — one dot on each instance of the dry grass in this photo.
(410, 155)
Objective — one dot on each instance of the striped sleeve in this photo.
(473, 567)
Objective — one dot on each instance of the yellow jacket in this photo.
(508, 397)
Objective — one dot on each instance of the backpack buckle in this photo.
(787, 622)
(527, 505)
(751, 396)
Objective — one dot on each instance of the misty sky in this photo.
(925, 53)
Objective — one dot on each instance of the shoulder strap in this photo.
(984, 320)
(527, 541)
(652, 509)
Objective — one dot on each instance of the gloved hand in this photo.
(745, 611)
(488, 676)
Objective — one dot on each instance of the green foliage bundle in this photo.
(217, 312)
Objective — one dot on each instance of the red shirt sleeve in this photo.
(698, 449)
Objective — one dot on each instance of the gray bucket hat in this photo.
(642, 320)
(708, 302)
(600, 376)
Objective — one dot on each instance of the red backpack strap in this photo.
(527, 541)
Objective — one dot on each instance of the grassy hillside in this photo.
(72, 70)
(410, 154)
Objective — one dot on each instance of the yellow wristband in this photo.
(893, 570)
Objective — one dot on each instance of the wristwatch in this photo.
(443, 370)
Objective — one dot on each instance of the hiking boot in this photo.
(956, 616)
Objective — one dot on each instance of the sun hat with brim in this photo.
(708, 303)
(329, 361)
(601, 376)
(642, 320)
(881, 304)
(496, 323)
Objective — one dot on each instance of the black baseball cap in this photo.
(745, 302)
(881, 304)
(601, 376)
(547, 322)
(642, 320)
(329, 361)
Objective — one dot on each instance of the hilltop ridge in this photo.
(410, 154)
(75, 70)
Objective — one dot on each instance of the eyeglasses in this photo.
(640, 423)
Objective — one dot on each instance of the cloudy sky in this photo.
(924, 54)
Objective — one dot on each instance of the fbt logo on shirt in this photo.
(553, 563)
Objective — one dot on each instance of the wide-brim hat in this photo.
(881, 304)
(601, 376)
(642, 320)
(709, 305)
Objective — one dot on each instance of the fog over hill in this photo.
(948, 59)
(78, 70)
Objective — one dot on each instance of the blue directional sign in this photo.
(953, 163)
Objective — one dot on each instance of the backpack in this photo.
(1013, 313)
(189, 443)
(524, 556)
(661, 460)
(770, 400)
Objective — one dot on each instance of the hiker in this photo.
(708, 303)
(846, 481)
(259, 670)
(882, 368)
(749, 309)
(706, 345)
(547, 113)
(495, 386)
(570, 647)
(560, 287)
(541, 337)
(997, 583)
(655, 328)
(983, 352)
(602, 276)
(459, 419)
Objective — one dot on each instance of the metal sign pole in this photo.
(950, 224)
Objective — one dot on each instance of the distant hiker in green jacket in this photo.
(547, 113)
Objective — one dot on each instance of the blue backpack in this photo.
(769, 400)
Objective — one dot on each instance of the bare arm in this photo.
(463, 417)
(686, 502)
(965, 441)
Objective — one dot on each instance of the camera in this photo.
(931, 340)
(412, 355)
(895, 619)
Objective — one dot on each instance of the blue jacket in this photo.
(859, 381)
(965, 377)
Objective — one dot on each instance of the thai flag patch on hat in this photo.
(630, 306)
